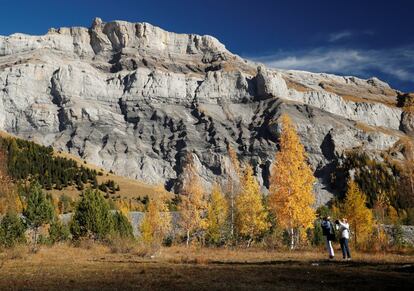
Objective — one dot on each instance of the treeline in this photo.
(238, 213)
(28, 161)
(388, 186)
(235, 213)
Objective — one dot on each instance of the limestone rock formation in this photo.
(134, 98)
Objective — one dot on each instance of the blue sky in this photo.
(362, 38)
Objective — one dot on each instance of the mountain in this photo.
(135, 99)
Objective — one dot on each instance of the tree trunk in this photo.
(356, 242)
(232, 215)
(249, 242)
(188, 237)
(292, 238)
(36, 229)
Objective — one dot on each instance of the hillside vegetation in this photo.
(64, 176)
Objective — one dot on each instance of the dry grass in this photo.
(66, 267)
(353, 98)
(130, 188)
(370, 128)
(291, 84)
(387, 97)
(118, 245)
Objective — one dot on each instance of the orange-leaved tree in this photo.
(360, 217)
(251, 216)
(291, 184)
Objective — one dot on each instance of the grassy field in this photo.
(93, 266)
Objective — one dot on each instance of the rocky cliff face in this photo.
(133, 98)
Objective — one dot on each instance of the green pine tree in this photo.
(12, 230)
(92, 216)
(39, 210)
(122, 226)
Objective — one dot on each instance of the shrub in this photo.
(122, 226)
(58, 232)
(317, 238)
(398, 235)
(65, 204)
(379, 241)
(123, 245)
(275, 239)
(92, 216)
(12, 230)
(84, 243)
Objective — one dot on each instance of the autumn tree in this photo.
(123, 206)
(406, 185)
(156, 223)
(251, 216)
(9, 198)
(233, 187)
(193, 205)
(291, 184)
(217, 213)
(359, 216)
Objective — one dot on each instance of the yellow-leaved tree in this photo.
(291, 184)
(9, 198)
(217, 214)
(156, 223)
(193, 205)
(124, 206)
(233, 187)
(251, 216)
(360, 217)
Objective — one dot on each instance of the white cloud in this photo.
(339, 35)
(396, 62)
(348, 34)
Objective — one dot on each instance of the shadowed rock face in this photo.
(133, 98)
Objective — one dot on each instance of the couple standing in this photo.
(328, 231)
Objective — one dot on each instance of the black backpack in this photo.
(325, 229)
(332, 234)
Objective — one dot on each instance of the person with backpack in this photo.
(343, 228)
(328, 232)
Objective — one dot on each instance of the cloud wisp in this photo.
(348, 35)
(333, 37)
(397, 62)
